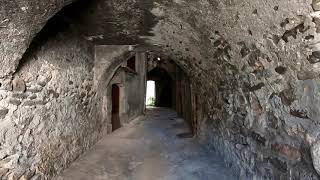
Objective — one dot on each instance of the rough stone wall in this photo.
(256, 76)
(49, 111)
(20, 21)
(183, 96)
(255, 68)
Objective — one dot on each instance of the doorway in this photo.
(151, 93)
(115, 119)
(163, 87)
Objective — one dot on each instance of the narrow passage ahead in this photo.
(149, 149)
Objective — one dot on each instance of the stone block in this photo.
(54, 93)
(258, 138)
(19, 95)
(33, 103)
(18, 85)
(278, 164)
(317, 24)
(299, 113)
(44, 79)
(14, 102)
(315, 154)
(287, 96)
(6, 85)
(33, 96)
(3, 172)
(35, 89)
(314, 57)
(3, 113)
(287, 151)
(23, 178)
(305, 75)
(316, 5)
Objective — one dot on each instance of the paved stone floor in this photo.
(148, 149)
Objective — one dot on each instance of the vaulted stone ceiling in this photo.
(193, 29)
(103, 21)
(254, 63)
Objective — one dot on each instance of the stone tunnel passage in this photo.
(245, 77)
(149, 149)
(163, 87)
(172, 88)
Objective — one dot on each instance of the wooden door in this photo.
(115, 107)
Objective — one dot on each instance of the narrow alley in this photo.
(149, 148)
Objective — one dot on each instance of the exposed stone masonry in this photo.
(253, 65)
(256, 75)
(45, 110)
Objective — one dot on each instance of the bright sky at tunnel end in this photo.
(150, 98)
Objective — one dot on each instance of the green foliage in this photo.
(151, 101)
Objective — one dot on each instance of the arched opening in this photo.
(115, 119)
(163, 87)
(151, 93)
(173, 89)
